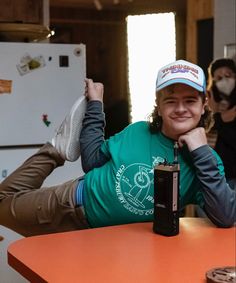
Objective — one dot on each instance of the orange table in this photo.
(125, 254)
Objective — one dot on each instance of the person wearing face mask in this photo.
(222, 99)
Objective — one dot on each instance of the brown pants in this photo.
(29, 209)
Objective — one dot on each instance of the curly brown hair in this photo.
(206, 121)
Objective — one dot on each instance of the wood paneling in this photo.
(196, 10)
(25, 11)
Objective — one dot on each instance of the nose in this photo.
(180, 107)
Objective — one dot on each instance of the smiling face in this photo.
(180, 107)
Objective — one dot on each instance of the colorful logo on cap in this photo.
(181, 71)
(179, 68)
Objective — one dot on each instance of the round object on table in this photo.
(222, 274)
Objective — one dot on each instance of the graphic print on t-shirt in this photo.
(134, 186)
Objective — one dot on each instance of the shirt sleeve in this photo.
(92, 137)
(218, 121)
(219, 198)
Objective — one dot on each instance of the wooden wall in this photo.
(196, 10)
(25, 11)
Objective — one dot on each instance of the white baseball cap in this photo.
(183, 72)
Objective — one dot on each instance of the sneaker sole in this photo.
(76, 119)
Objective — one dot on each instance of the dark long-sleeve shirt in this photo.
(226, 144)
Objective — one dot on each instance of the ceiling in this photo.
(117, 4)
(103, 4)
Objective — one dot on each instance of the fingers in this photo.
(89, 83)
(181, 142)
(193, 139)
(86, 87)
(93, 90)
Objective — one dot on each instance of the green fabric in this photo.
(121, 191)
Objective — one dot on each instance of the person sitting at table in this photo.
(117, 187)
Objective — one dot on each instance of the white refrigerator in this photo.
(39, 82)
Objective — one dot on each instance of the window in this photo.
(151, 45)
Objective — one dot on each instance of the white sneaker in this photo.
(66, 140)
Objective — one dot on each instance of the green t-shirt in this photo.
(121, 191)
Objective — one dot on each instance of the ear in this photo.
(203, 109)
(157, 100)
(204, 105)
(158, 110)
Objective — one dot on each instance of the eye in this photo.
(169, 101)
(217, 79)
(228, 76)
(191, 100)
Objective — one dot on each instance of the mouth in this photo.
(180, 119)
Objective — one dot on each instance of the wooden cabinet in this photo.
(23, 11)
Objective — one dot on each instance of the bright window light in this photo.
(151, 45)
